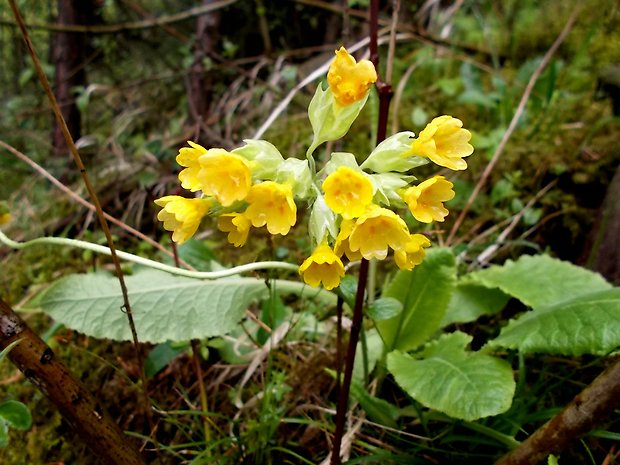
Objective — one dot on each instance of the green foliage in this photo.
(424, 293)
(588, 324)
(16, 415)
(165, 307)
(447, 378)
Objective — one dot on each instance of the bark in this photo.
(77, 405)
(586, 410)
(200, 79)
(69, 51)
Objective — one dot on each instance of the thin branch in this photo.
(46, 174)
(588, 409)
(513, 123)
(144, 24)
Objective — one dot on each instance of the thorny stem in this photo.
(385, 95)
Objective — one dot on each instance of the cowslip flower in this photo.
(445, 142)
(414, 252)
(323, 266)
(181, 216)
(237, 225)
(272, 204)
(224, 175)
(342, 246)
(377, 230)
(425, 200)
(348, 80)
(188, 158)
(348, 192)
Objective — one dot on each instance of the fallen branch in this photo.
(586, 410)
(77, 405)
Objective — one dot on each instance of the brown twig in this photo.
(77, 405)
(513, 123)
(46, 174)
(144, 24)
(588, 409)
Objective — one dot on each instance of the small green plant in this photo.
(13, 413)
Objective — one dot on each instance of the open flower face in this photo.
(348, 192)
(272, 204)
(188, 158)
(445, 142)
(414, 252)
(426, 199)
(323, 266)
(348, 80)
(225, 176)
(237, 225)
(376, 231)
(181, 215)
(342, 245)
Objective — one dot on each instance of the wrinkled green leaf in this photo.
(470, 301)
(374, 351)
(425, 293)
(197, 253)
(540, 280)
(589, 324)
(446, 377)
(164, 307)
(16, 414)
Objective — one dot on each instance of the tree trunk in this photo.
(69, 51)
(200, 80)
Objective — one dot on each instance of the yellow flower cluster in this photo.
(353, 207)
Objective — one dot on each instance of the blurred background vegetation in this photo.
(138, 78)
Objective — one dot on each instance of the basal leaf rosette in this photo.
(333, 110)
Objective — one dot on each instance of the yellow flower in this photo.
(348, 192)
(225, 176)
(342, 245)
(237, 225)
(348, 80)
(272, 204)
(414, 252)
(188, 157)
(426, 199)
(445, 142)
(181, 215)
(5, 218)
(376, 230)
(323, 266)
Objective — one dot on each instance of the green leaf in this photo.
(374, 351)
(541, 280)
(273, 314)
(470, 301)
(8, 348)
(159, 357)
(378, 410)
(16, 414)
(425, 293)
(384, 308)
(197, 253)
(461, 384)
(4, 433)
(589, 324)
(164, 307)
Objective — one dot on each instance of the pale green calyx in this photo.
(388, 185)
(264, 157)
(339, 159)
(296, 173)
(322, 221)
(330, 120)
(393, 154)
